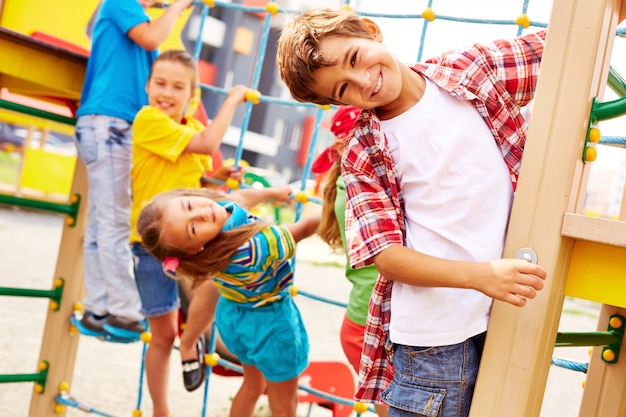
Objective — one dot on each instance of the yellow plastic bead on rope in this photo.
(211, 359)
(137, 413)
(64, 386)
(429, 14)
(590, 154)
(324, 106)
(146, 337)
(608, 355)
(293, 290)
(346, 7)
(523, 21)
(59, 409)
(594, 135)
(359, 407)
(301, 197)
(615, 322)
(232, 184)
(272, 8)
(210, 3)
(73, 330)
(253, 96)
(583, 383)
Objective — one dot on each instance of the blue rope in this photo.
(567, 364)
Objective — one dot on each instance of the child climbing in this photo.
(201, 235)
(172, 150)
(332, 230)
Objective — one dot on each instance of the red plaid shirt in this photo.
(497, 79)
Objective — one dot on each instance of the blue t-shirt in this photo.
(118, 68)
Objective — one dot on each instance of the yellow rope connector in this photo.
(69, 221)
(301, 197)
(523, 21)
(608, 355)
(232, 184)
(272, 8)
(346, 7)
(253, 96)
(59, 409)
(615, 322)
(137, 413)
(146, 337)
(324, 106)
(590, 154)
(64, 386)
(429, 14)
(211, 359)
(359, 407)
(210, 3)
(293, 290)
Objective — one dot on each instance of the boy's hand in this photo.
(513, 280)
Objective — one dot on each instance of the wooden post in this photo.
(58, 346)
(520, 341)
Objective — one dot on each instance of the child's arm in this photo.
(151, 34)
(510, 280)
(250, 197)
(207, 141)
(304, 227)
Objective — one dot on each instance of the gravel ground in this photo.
(106, 375)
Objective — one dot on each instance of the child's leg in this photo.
(283, 397)
(251, 389)
(200, 315)
(163, 330)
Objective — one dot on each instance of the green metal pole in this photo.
(20, 108)
(587, 338)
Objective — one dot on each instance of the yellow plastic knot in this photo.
(137, 413)
(59, 409)
(523, 21)
(346, 7)
(211, 359)
(324, 106)
(253, 96)
(429, 14)
(73, 330)
(594, 135)
(232, 184)
(210, 3)
(301, 197)
(146, 337)
(360, 407)
(293, 290)
(64, 386)
(272, 8)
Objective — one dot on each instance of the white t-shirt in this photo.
(458, 195)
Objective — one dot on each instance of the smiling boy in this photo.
(430, 175)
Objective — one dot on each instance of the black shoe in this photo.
(194, 370)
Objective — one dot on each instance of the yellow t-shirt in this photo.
(160, 162)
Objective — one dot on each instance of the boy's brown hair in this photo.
(182, 57)
(298, 56)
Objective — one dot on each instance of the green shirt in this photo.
(362, 279)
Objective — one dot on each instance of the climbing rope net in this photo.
(450, 34)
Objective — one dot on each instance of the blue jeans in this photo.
(434, 381)
(104, 146)
(159, 292)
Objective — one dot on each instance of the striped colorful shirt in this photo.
(497, 79)
(260, 271)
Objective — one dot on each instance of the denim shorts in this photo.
(271, 337)
(158, 292)
(434, 381)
